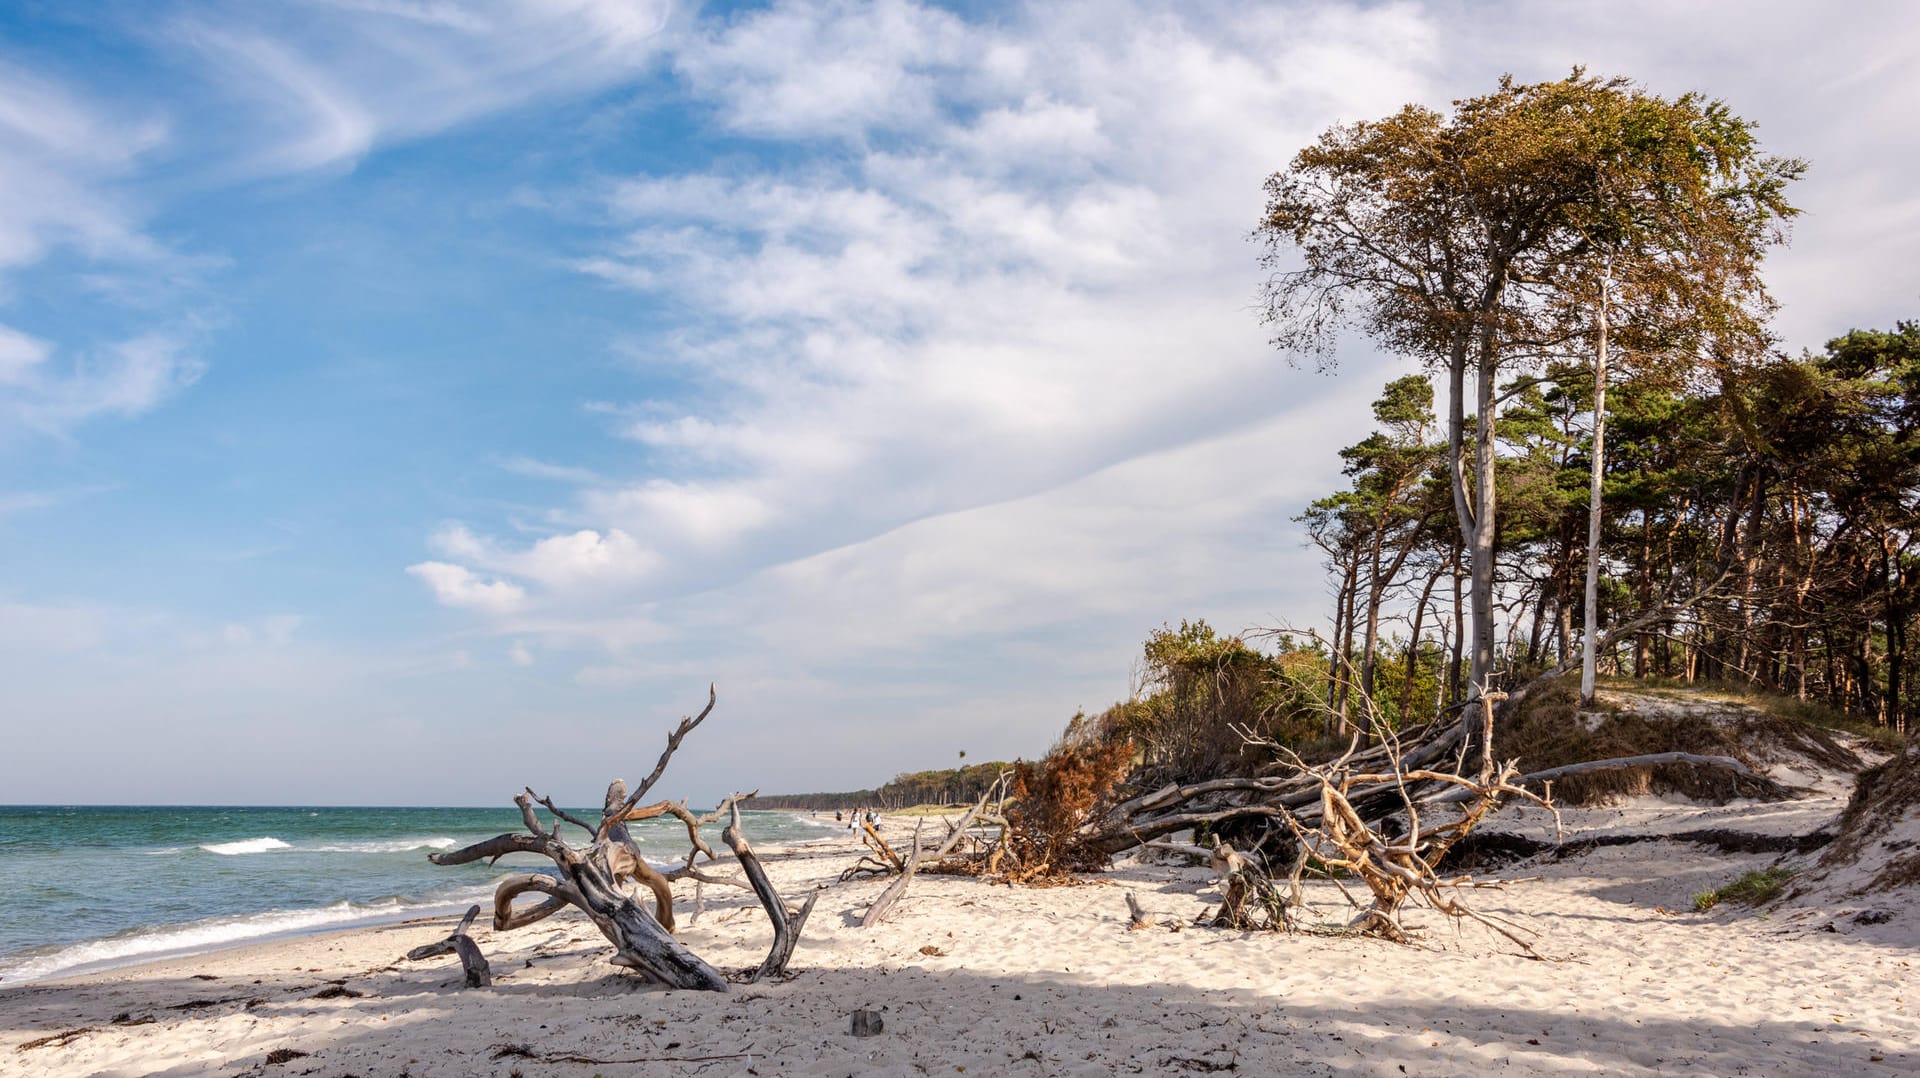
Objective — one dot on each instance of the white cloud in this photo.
(700, 514)
(20, 355)
(317, 88)
(998, 292)
(826, 68)
(127, 378)
(59, 156)
(519, 654)
(1028, 265)
(250, 90)
(455, 585)
(318, 121)
(584, 559)
(278, 629)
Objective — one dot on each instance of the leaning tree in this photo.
(603, 876)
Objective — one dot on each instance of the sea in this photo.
(92, 887)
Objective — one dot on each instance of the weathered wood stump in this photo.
(479, 974)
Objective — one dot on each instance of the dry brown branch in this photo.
(563, 814)
(1397, 869)
(673, 742)
(57, 1040)
(871, 836)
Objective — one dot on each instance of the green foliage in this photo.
(1201, 691)
(1753, 889)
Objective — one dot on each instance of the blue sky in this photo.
(388, 388)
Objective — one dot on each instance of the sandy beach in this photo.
(974, 978)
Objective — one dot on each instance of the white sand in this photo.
(1050, 982)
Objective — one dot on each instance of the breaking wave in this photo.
(246, 845)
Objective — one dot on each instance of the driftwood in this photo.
(1242, 884)
(881, 861)
(871, 836)
(1267, 801)
(586, 882)
(479, 974)
(958, 833)
(1136, 918)
(899, 886)
(602, 878)
(1259, 810)
(1398, 868)
(786, 927)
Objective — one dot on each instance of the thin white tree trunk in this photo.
(1590, 635)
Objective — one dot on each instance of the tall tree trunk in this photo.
(1896, 632)
(1477, 512)
(1590, 631)
(1343, 662)
(1333, 645)
(1376, 588)
(1456, 681)
(1538, 622)
(1413, 645)
(1641, 641)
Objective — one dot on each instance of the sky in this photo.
(403, 401)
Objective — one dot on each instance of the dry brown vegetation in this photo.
(1054, 797)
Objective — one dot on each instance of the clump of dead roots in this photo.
(1396, 858)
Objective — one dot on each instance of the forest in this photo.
(1760, 530)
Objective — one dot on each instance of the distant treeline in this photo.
(952, 785)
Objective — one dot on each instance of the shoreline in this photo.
(1003, 980)
(325, 910)
(436, 911)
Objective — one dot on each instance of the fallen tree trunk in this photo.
(1270, 800)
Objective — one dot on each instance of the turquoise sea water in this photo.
(91, 886)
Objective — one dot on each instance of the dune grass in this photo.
(1753, 889)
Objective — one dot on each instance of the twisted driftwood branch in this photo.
(597, 879)
(786, 927)
(673, 742)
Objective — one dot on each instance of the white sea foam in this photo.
(146, 944)
(400, 845)
(246, 845)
